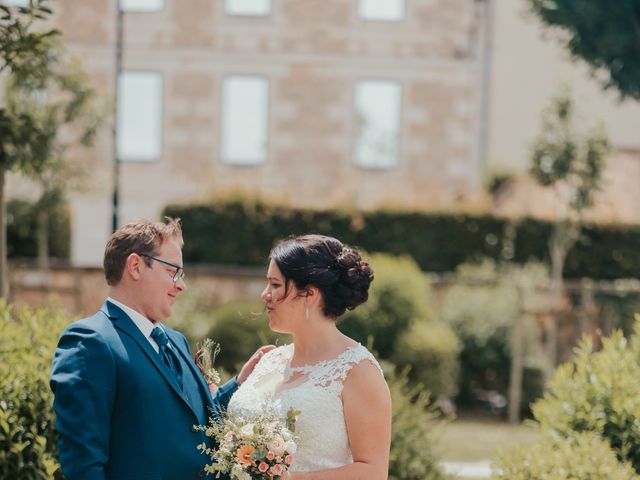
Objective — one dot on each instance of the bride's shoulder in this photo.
(357, 355)
(365, 373)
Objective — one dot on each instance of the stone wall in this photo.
(82, 290)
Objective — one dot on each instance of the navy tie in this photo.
(169, 356)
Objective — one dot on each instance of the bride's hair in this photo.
(324, 262)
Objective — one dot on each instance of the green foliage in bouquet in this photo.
(415, 422)
(582, 456)
(27, 436)
(598, 392)
(398, 297)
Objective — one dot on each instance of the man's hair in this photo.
(142, 237)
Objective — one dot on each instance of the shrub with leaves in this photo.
(431, 350)
(415, 421)
(598, 392)
(482, 307)
(582, 456)
(398, 296)
(27, 437)
(241, 327)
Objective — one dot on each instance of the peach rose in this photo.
(263, 467)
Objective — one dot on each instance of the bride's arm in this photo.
(367, 412)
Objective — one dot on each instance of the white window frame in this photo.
(232, 118)
(138, 6)
(152, 121)
(367, 11)
(241, 8)
(364, 155)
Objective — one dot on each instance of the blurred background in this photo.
(484, 153)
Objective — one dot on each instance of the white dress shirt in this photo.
(145, 325)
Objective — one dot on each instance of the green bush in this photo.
(413, 453)
(581, 456)
(241, 327)
(598, 393)
(399, 296)
(243, 231)
(482, 306)
(22, 229)
(431, 350)
(28, 339)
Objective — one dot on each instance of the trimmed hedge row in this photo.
(241, 232)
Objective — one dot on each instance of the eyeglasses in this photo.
(179, 273)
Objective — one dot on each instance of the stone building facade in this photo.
(281, 99)
(310, 57)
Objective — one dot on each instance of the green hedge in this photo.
(242, 232)
(22, 230)
(27, 436)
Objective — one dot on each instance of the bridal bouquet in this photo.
(248, 449)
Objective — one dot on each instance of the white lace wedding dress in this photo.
(315, 390)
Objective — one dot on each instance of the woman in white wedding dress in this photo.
(344, 427)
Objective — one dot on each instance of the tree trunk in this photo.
(4, 273)
(43, 238)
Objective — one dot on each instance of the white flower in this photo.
(277, 446)
(246, 430)
(291, 447)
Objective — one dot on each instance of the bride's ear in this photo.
(313, 295)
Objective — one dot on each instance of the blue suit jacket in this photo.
(120, 413)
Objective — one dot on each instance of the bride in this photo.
(344, 427)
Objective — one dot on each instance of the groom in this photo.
(127, 392)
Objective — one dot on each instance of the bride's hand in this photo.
(252, 362)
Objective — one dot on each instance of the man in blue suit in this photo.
(127, 392)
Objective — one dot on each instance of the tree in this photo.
(63, 108)
(603, 33)
(26, 56)
(572, 165)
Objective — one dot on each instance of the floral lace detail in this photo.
(315, 391)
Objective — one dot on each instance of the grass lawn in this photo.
(467, 440)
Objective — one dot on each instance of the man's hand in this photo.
(252, 362)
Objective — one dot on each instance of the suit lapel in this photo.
(124, 323)
(178, 343)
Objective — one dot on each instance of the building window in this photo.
(139, 116)
(381, 10)
(245, 105)
(141, 5)
(248, 7)
(377, 105)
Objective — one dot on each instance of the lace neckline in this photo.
(289, 370)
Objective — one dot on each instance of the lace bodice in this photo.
(315, 391)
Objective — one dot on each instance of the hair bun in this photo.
(355, 277)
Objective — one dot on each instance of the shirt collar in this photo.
(145, 325)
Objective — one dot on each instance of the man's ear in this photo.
(133, 266)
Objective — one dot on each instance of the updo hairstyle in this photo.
(324, 262)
